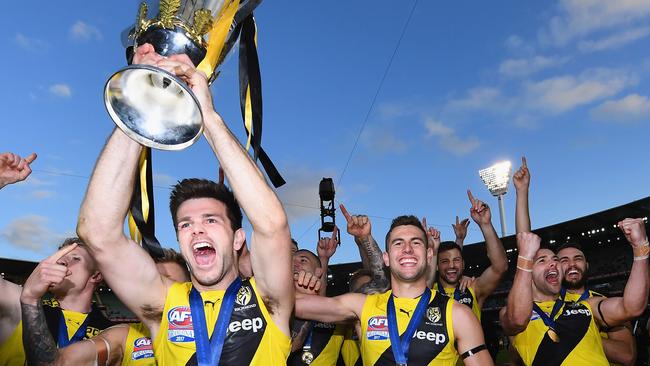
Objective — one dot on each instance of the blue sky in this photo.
(564, 82)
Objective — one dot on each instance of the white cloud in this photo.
(479, 98)
(525, 66)
(563, 93)
(81, 31)
(579, 18)
(300, 194)
(163, 180)
(383, 140)
(30, 232)
(41, 194)
(29, 43)
(633, 107)
(61, 90)
(614, 41)
(448, 140)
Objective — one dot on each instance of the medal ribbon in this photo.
(457, 292)
(584, 296)
(208, 352)
(62, 339)
(400, 345)
(307, 345)
(549, 321)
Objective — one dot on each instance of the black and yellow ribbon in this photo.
(141, 218)
(250, 96)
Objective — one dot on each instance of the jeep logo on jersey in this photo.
(244, 295)
(465, 300)
(180, 317)
(433, 314)
(437, 338)
(254, 324)
(142, 349)
(377, 328)
(180, 324)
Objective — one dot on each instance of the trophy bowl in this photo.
(153, 107)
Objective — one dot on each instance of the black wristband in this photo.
(473, 351)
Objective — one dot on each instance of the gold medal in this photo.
(307, 357)
(553, 335)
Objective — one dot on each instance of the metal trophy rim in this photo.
(138, 138)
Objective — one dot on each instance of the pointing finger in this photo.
(470, 196)
(61, 253)
(523, 162)
(31, 158)
(344, 212)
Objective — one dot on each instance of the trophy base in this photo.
(153, 107)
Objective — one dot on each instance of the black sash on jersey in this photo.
(422, 352)
(95, 319)
(570, 329)
(321, 334)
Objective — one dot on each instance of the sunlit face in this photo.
(207, 240)
(82, 268)
(450, 266)
(547, 276)
(574, 267)
(173, 271)
(304, 261)
(407, 255)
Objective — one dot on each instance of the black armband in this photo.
(473, 351)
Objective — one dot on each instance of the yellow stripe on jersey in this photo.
(432, 343)
(579, 342)
(253, 338)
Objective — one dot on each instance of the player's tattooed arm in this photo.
(40, 348)
(379, 281)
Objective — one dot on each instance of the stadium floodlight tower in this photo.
(496, 178)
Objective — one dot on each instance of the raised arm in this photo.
(270, 244)
(40, 346)
(614, 311)
(488, 281)
(360, 228)
(13, 168)
(460, 230)
(9, 308)
(516, 315)
(469, 337)
(342, 308)
(121, 261)
(326, 248)
(521, 180)
(433, 240)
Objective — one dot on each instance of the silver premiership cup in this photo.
(151, 105)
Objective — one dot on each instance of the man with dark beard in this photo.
(618, 342)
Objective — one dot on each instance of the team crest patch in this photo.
(142, 348)
(180, 327)
(434, 315)
(377, 329)
(244, 296)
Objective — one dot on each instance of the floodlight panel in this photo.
(497, 177)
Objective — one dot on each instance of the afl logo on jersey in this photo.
(142, 348)
(180, 324)
(244, 296)
(433, 314)
(377, 329)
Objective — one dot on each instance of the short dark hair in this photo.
(72, 240)
(569, 245)
(203, 188)
(449, 245)
(311, 254)
(294, 242)
(172, 256)
(357, 274)
(405, 220)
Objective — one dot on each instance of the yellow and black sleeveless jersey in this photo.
(252, 337)
(467, 297)
(579, 341)
(138, 350)
(350, 350)
(325, 345)
(12, 351)
(432, 343)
